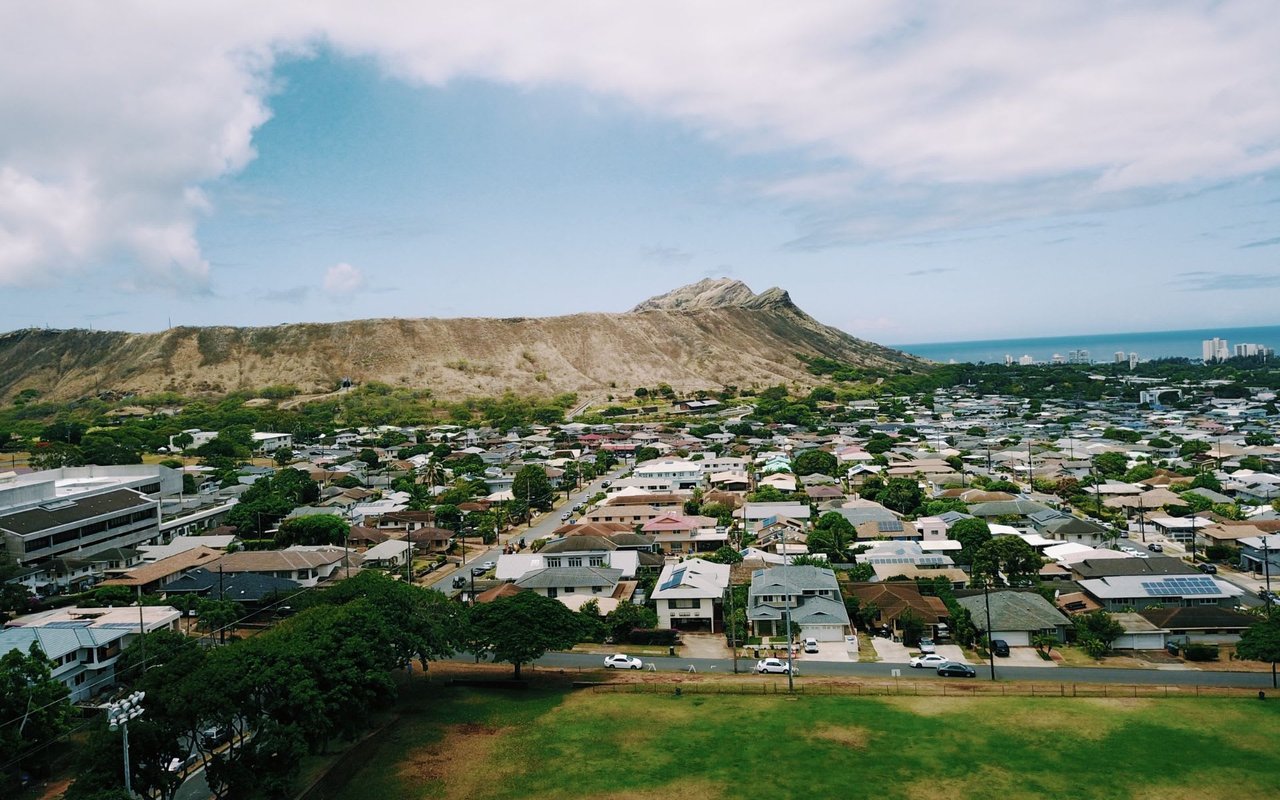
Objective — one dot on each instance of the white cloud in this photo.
(929, 116)
(343, 279)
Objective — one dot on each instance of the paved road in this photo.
(880, 670)
(543, 527)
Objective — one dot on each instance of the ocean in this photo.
(1102, 347)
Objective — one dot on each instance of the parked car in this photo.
(930, 660)
(1207, 569)
(926, 646)
(623, 661)
(478, 570)
(488, 565)
(811, 645)
(459, 581)
(954, 669)
(1156, 547)
(214, 735)
(773, 665)
(1000, 647)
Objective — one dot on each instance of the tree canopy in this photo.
(521, 628)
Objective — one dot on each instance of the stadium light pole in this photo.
(119, 714)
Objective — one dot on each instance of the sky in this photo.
(908, 171)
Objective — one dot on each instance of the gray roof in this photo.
(1001, 508)
(1156, 565)
(1014, 611)
(563, 577)
(792, 579)
(808, 611)
(69, 510)
(861, 514)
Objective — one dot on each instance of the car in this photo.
(623, 661)
(605, 484)
(1264, 595)
(954, 669)
(928, 660)
(488, 565)
(926, 646)
(181, 764)
(1156, 547)
(1000, 647)
(1124, 534)
(459, 581)
(811, 645)
(773, 665)
(566, 516)
(1207, 569)
(477, 571)
(214, 735)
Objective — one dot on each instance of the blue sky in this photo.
(907, 172)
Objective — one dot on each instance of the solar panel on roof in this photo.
(1191, 585)
(889, 525)
(674, 580)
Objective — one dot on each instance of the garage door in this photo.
(823, 633)
(1014, 638)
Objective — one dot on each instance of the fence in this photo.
(915, 688)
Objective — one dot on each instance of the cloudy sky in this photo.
(910, 172)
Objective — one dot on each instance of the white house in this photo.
(264, 442)
(685, 474)
(687, 594)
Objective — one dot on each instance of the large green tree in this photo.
(972, 534)
(532, 486)
(314, 529)
(903, 495)
(812, 462)
(1010, 555)
(1261, 642)
(33, 710)
(521, 628)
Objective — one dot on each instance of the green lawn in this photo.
(473, 744)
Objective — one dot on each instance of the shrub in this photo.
(660, 636)
(1198, 651)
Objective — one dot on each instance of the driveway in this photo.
(832, 651)
(891, 652)
(1024, 657)
(704, 645)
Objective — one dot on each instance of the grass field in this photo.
(489, 744)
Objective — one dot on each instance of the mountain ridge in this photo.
(708, 334)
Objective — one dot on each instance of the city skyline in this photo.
(892, 167)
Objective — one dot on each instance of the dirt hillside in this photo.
(702, 336)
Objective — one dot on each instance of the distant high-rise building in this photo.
(1026, 361)
(1253, 351)
(1119, 356)
(1008, 360)
(1058, 359)
(1214, 349)
(1133, 360)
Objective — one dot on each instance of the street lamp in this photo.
(118, 715)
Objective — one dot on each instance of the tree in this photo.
(767, 494)
(628, 617)
(282, 456)
(52, 455)
(1096, 631)
(972, 534)
(1261, 642)
(644, 454)
(912, 627)
(1111, 465)
(218, 615)
(315, 529)
(532, 486)
(1190, 450)
(813, 462)
(903, 495)
(370, 457)
(725, 555)
(521, 628)
(832, 536)
(1044, 643)
(30, 693)
(1010, 555)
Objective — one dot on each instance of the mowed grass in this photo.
(474, 744)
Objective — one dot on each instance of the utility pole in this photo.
(986, 599)
(733, 643)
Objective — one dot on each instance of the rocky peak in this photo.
(715, 293)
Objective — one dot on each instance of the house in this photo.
(630, 515)
(265, 442)
(1110, 567)
(809, 596)
(390, 554)
(157, 574)
(676, 534)
(1261, 554)
(894, 600)
(1016, 617)
(687, 594)
(84, 644)
(248, 589)
(755, 512)
(1208, 624)
(562, 581)
(1064, 527)
(684, 474)
(306, 565)
(1137, 592)
(1140, 633)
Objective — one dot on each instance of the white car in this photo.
(773, 665)
(488, 565)
(929, 660)
(623, 661)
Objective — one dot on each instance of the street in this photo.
(549, 522)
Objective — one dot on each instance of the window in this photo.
(575, 561)
(553, 562)
(596, 561)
